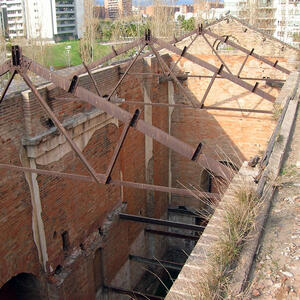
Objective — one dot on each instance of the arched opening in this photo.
(24, 286)
(219, 45)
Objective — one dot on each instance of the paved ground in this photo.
(276, 272)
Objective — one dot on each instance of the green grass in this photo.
(57, 56)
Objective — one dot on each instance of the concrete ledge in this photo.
(240, 277)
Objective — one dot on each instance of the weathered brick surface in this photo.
(17, 249)
(88, 212)
(226, 135)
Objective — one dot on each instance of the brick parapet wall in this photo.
(187, 285)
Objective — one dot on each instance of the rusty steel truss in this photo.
(20, 64)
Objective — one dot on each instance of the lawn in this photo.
(57, 55)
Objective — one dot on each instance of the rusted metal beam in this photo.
(161, 222)
(92, 78)
(5, 67)
(127, 70)
(244, 62)
(173, 76)
(174, 41)
(210, 86)
(214, 69)
(238, 109)
(159, 60)
(122, 115)
(101, 177)
(185, 49)
(173, 234)
(50, 113)
(132, 294)
(161, 263)
(242, 49)
(183, 212)
(120, 144)
(216, 53)
(184, 106)
(7, 85)
(179, 76)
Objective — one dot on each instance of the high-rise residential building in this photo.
(15, 16)
(118, 8)
(3, 21)
(279, 18)
(68, 19)
(47, 19)
(288, 22)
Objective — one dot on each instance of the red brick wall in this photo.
(226, 136)
(17, 249)
(82, 208)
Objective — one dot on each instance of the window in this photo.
(65, 240)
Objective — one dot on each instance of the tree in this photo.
(88, 41)
(2, 48)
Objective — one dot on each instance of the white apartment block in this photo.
(288, 22)
(280, 18)
(15, 17)
(118, 8)
(46, 19)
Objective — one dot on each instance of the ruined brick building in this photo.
(91, 226)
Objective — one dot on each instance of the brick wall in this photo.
(88, 212)
(18, 251)
(226, 135)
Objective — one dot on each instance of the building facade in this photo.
(48, 19)
(15, 16)
(118, 8)
(279, 18)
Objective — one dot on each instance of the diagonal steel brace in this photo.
(59, 126)
(125, 73)
(93, 79)
(242, 49)
(214, 69)
(129, 124)
(7, 86)
(163, 64)
(162, 137)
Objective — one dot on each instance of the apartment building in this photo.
(47, 19)
(279, 18)
(15, 16)
(3, 21)
(68, 19)
(118, 8)
(288, 22)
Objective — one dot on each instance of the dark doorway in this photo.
(24, 286)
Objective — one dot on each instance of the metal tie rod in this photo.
(147, 220)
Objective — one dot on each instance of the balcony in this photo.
(15, 22)
(64, 5)
(66, 19)
(66, 25)
(66, 32)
